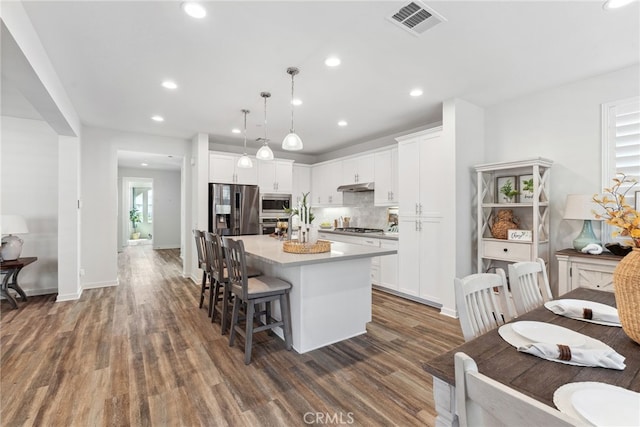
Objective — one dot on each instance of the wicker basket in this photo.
(295, 247)
(626, 284)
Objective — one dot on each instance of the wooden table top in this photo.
(17, 263)
(537, 377)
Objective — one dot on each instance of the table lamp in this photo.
(12, 245)
(580, 206)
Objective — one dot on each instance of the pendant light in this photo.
(265, 153)
(292, 142)
(245, 161)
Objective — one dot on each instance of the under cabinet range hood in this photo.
(354, 188)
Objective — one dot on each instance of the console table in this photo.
(10, 270)
(580, 270)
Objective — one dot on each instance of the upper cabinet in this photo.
(301, 183)
(325, 179)
(275, 176)
(386, 177)
(223, 169)
(357, 169)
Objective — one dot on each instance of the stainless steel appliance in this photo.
(268, 225)
(234, 209)
(273, 205)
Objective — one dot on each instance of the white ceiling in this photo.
(112, 56)
(135, 160)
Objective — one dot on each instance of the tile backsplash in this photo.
(357, 206)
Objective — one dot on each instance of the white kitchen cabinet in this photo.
(357, 169)
(424, 168)
(532, 210)
(388, 274)
(223, 169)
(301, 183)
(386, 177)
(325, 179)
(578, 270)
(275, 176)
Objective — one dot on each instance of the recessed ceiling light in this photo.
(235, 130)
(342, 123)
(332, 61)
(615, 4)
(168, 84)
(157, 118)
(415, 92)
(194, 9)
(296, 101)
(144, 164)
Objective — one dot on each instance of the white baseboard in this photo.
(37, 292)
(166, 246)
(449, 312)
(96, 285)
(69, 297)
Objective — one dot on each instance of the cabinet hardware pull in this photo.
(506, 249)
(417, 211)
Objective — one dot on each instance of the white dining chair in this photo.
(482, 302)
(482, 401)
(529, 285)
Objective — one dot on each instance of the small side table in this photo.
(10, 270)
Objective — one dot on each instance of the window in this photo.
(620, 146)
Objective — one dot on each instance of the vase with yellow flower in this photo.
(616, 211)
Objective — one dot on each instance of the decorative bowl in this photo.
(618, 249)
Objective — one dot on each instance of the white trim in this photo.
(37, 292)
(171, 246)
(69, 297)
(96, 285)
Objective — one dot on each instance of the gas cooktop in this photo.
(359, 230)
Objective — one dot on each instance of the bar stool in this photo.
(219, 279)
(252, 292)
(202, 263)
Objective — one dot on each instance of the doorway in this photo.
(138, 211)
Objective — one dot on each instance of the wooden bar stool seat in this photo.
(252, 292)
(220, 296)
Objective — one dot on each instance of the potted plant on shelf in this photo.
(615, 211)
(508, 191)
(134, 217)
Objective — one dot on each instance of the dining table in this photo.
(531, 375)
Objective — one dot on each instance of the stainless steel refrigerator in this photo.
(234, 209)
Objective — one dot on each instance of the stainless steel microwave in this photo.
(273, 205)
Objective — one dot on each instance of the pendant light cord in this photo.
(292, 106)
(245, 130)
(265, 119)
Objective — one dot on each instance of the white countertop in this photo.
(269, 249)
(387, 235)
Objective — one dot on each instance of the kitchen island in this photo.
(331, 291)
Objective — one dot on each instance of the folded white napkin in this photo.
(604, 358)
(576, 310)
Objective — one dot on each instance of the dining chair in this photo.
(482, 302)
(529, 285)
(220, 296)
(482, 401)
(202, 264)
(252, 292)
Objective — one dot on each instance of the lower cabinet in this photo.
(578, 270)
(384, 269)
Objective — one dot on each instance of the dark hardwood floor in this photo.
(143, 354)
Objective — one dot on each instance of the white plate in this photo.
(599, 404)
(540, 332)
(589, 304)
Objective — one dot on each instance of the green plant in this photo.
(508, 190)
(527, 185)
(302, 209)
(134, 217)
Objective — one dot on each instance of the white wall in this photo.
(166, 204)
(29, 184)
(100, 195)
(561, 124)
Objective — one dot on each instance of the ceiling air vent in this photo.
(416, 18)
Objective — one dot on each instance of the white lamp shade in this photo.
(292, 142)
(13, 224)
(580, 206)
(245, 162)
(264, 153)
